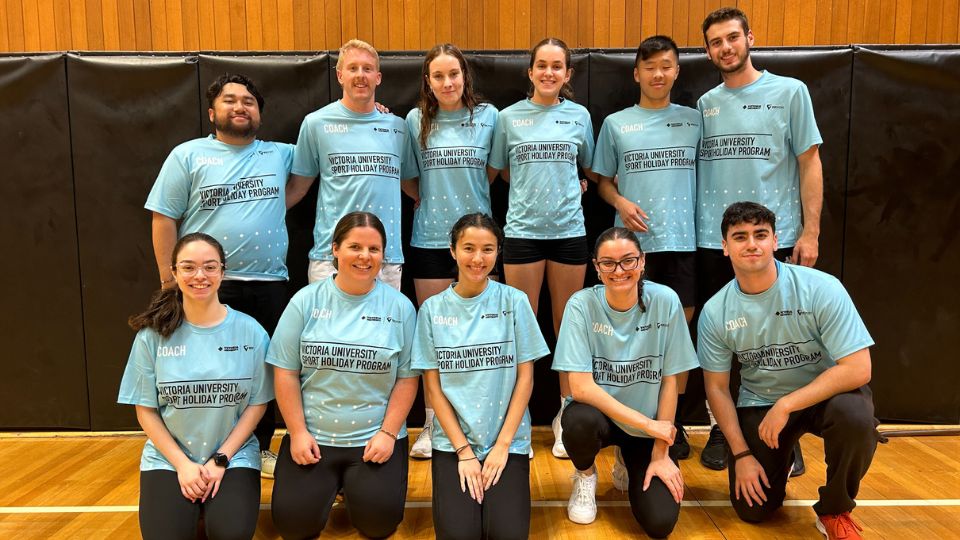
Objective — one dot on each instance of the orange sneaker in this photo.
(839, 526)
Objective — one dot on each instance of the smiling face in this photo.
(235, 112)
(549, 73)
(625, 252)
(359, 258)
(728, 46)
(476, 254)
(199, 271)
(446, 82)
(656, 76)
(359, 75)
(750, 247)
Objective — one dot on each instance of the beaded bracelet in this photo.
(388, 433)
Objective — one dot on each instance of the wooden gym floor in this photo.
(86, 486)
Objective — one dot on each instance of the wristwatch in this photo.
(221, 460)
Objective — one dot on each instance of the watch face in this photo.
(221, 460)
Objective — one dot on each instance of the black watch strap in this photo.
(221, 460)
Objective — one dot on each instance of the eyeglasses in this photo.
(190, 269)
(627, 264)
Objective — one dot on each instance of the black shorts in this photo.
(675, 269)
(562, 250)
(424, 263)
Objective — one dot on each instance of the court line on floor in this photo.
(534, 504)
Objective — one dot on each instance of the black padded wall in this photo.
(827, 74)
(44, 377)
(903, 206)
(84, 137)
(126, 114)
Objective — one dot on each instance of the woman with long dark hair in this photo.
(451, 132)
(197, 377)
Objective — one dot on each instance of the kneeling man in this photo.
(804, 367)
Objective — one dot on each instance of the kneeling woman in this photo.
(198, 402)
(623, 343)
(477, 341)
(341, 353)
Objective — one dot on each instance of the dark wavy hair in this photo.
(428, 104)
(213, 91)
(747, 212)
(566, 90)
(724, 14)
(617, 233)
(164, 314)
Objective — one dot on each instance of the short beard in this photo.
(229, 129)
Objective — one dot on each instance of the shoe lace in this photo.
(844, 526)
(584, 490)
(267, 453)
(425, 433)
(716, 437)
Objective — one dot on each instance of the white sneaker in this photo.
(531, 451)
(582, 507)
(558, 450)
(423, 446)
(621, 479)
(268, 463)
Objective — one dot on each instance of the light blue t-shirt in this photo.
(453, 171)
(653, 152)
(628, 352)
(541, 146)
(477, 344)
(350, 350)
(236, 195)
(783, 337)
(751, 137)
(200, 380)
(361, 159)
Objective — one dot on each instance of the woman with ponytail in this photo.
(196, 375)
(537, 147)
(623, 342)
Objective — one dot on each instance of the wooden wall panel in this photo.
(304, 25)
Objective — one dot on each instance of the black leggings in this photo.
(374, 494)
(849, 432)
(165, 514)
(504, 514)
(586, 430)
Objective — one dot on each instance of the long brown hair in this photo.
(428, 104)
(353, 220)
(165, 312)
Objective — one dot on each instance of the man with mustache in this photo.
(360, 155)
(230, 185)
(760, 143)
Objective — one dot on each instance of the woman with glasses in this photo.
(623, 343)
(341, 357)
(197, 377)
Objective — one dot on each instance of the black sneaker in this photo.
(714, 455)
(797, 468)
(681, 447)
